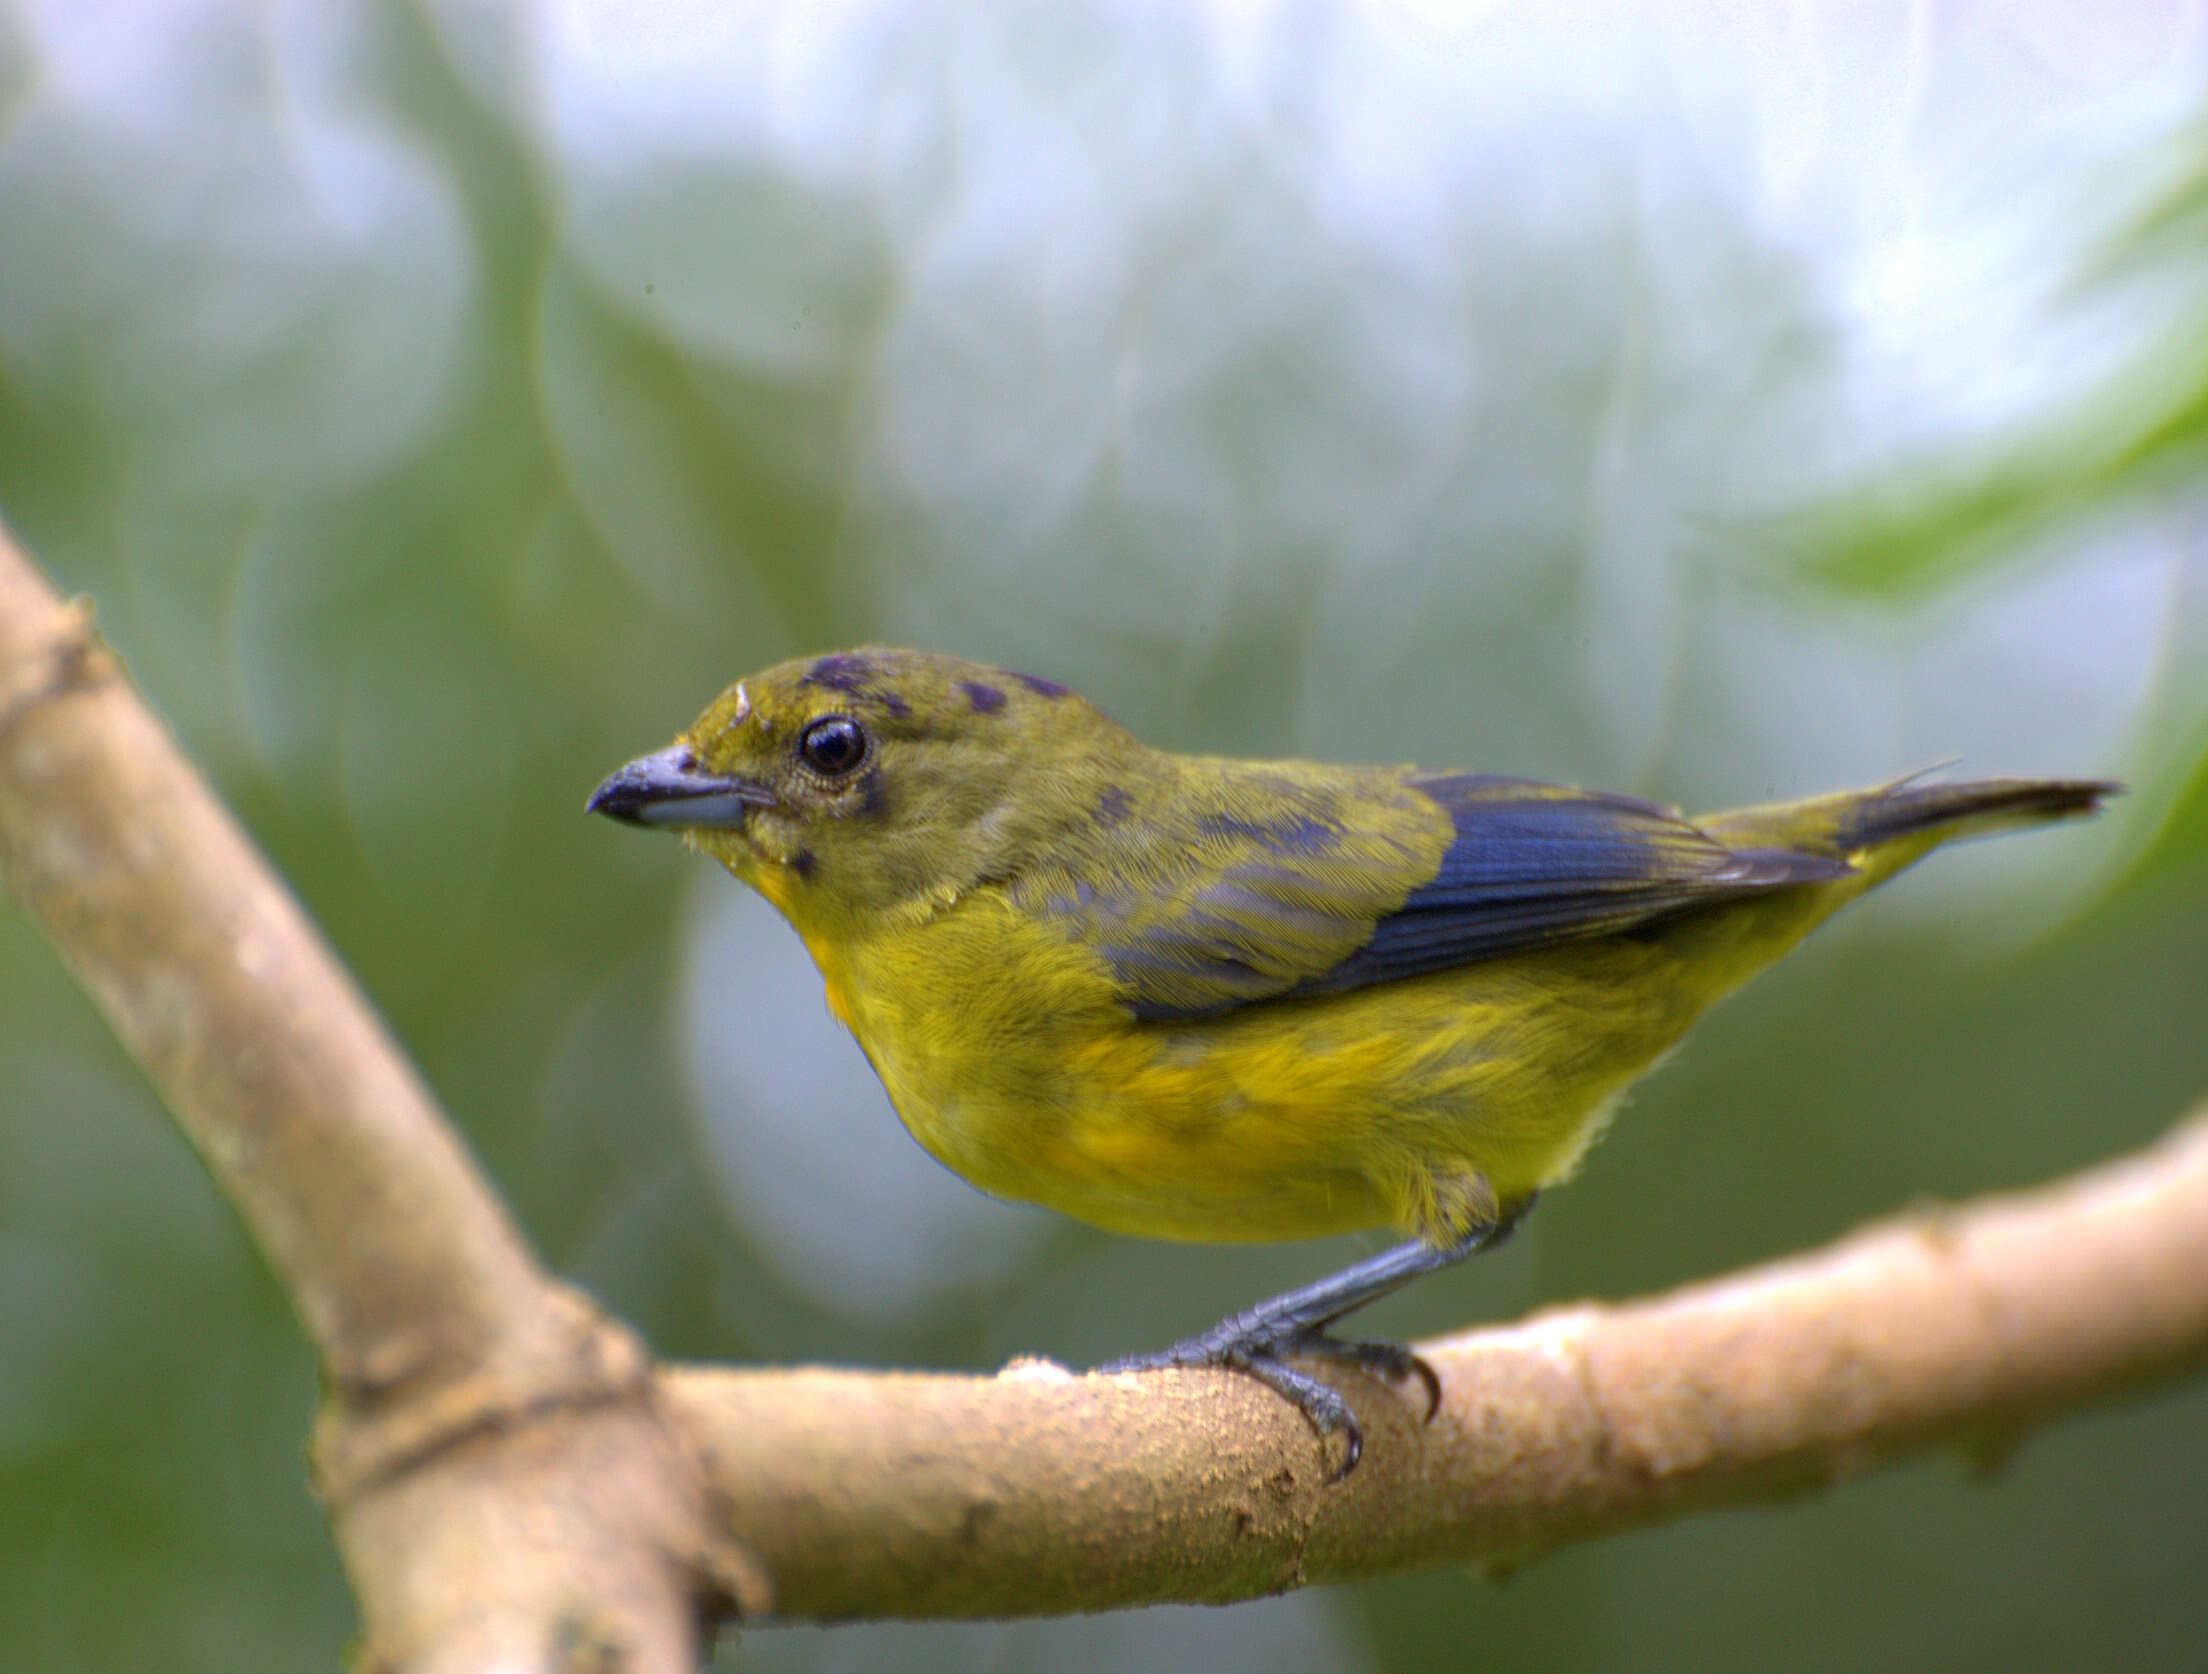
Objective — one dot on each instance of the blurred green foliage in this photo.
(441, 401)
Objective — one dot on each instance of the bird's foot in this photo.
(1261, 1341)
(1262, 1347)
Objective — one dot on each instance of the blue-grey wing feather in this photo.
(1299, 904)
(1532, 866)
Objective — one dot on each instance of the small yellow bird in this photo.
(1220, 1000)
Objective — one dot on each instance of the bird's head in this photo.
(876, 780)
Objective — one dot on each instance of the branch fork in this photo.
(516, 1484)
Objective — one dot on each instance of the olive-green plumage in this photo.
(1229, 1000)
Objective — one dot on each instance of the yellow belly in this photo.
(1008, 1057)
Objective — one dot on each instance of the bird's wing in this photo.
(1340, 893)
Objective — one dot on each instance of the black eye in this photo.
(833, 745)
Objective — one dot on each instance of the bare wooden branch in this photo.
(514, 1485)
(401, 1265)
(448, 1354)
(870, 1494)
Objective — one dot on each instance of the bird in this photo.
(1220, 1000)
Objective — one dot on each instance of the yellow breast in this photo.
(1008, 1055)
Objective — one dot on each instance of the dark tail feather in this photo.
(1981, 806)
(1874, 833)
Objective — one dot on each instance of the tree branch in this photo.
(447, 1354)
(515, 1485)
(403, 1267)
(1039, 1492)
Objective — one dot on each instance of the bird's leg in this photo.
(1262, 1340)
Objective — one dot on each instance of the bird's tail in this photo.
(1976, 809)
(1880, 831)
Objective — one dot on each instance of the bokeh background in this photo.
(441, 401)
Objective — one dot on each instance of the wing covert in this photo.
(1533, 865)
(1383, 878)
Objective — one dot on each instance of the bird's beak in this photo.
(668, 789)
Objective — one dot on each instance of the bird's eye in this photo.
(834, 745)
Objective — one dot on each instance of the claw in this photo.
(1351, 1453)
(1401, 1364)
(1323, 1406)
(1390, 1361)
(1260, 1342)
(1432, 1380)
